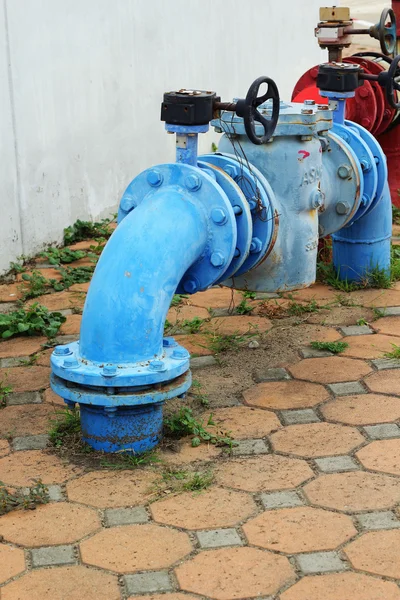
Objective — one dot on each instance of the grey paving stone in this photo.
(378, 520)
(349, 387)
(320, 562)
(382, 432)
(55, 493)
(53, 555)
(336, 464)
(200, 362)
(250, 447)
(17, 398)
(281, 499)
(6, 363)
(44, 265)
(386, 363)
(125, 516)
(152, 581)
(65, 312)
(218, 538)
(266, 295)
(304, 415)
(309, 352)
(391, 311)
(356, 330)
(222, 312)
(274, 374)
(31, 442)
(66, 339)
(7, 307)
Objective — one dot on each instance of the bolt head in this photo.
(218, 216)
(307, 111)
(217, 259)
(365, 122)
(317, 199)
(193, 183)
(364, 92)
(127, 204)
(309, 102)
(231, 170)
(344, 171)
(365, 199)
(255, 246)
(154, 178)
(169, 342)
(342, 208)
(70, 363)
(62, 350)
(252, 203)
(109, 371)
(190, 286)
(157, 365)
(237, 253)
(180, 353)
(365, 165)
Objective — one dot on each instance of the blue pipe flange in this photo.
(260, 196)
(240, 208)
(367, 162)
(379, 160)
(67, 363)
(342, 184)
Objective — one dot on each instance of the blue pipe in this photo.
(137, 275)
(365, 245)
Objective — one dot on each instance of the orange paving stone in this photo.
(50, 524)
(325, 334)
(195, 344)
(264, 473)
(376, 552)
(245, 422)
(342, 586)
(84, 245)
(110, 489)
(59, 300)
(72, 325)
(333, 369)
(352, 492)
(80, 287)
(376, 298)
(21, 346)
(4, 448)
(63, 583)
(187, 454)
(316, 439)
(363, 409)
(52, 398)
(285, 395)
(177, 596)
(43, 359)
(135, 548)
(318, 292)
(217, 298)
(230, 573)
(369, 346)
(12, 562)
(388, 326)
(10, 292)
(28, 419)
(26, 379)
(385, 382)
(300, 529)
(22, 468)
(185, 312)
(381, 455)
(207, 510)
(240, 324)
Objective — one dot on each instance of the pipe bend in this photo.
(137, 275)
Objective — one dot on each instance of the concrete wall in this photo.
(81, 87)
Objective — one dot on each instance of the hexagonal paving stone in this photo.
(240, 324)
(316, 439)
(22, 468)
(195, 344)
(204, 511)
(300, 529)
(29, 419)
(12, 562)
(60, 300)
(388, 325)
(363, 409)
(245, 422)
(52, 398)
(21, 346)
(355, 491)
(184, 312)
(173, 596)
(230, 573)
(187, 454)
(285, 395)
(378, 298)
(10, 292)
(222, 297)
(317, 291)
(264, 473)
(107, 489)
(342, 586)
(27, 379)
(376, 552)
(135, 548)
(72, 325)
(369, 346)
(61, 583)
(385, 382)
(4, 448)
(333, 369)
(382, 455)
(49, 524)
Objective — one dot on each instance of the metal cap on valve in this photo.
(188, 107)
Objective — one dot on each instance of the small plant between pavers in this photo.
(192, 326)
(66, 424)
(16, 500)
(196, 393)
(177, 299)
(86, 230)
(5, 390)
(362, 322)
(249, 295)
(296, 309)
(35, 320)
(125, 460)
(395, 353)
(244, 308)
(183, 423)
(57, 256)
(219, 343)
(334, 347)
(175, 482)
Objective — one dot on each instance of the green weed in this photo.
(192, 326)
(395, 353)
(57, 256)
(178, 299)
(34, 320)
(127, 460)
(35, 285)
(84, 230)
(5, 390)
(379, 312)
(334, 347)
(183, 423)
(196, 393)
(219, 343)
(296, 309)
(249, 295)
(70, 276)
(200, 480)
(244, 308)
(15, 500)
(66, 424)
(362, 321)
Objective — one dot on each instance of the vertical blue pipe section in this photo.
(365, 245)
(137, 275)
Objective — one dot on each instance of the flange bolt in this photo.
(365, 165)
(180, 353)
(344, 171)
(255, 246)
(193, 183)
(169, 342)
(342, 208)
(127, 204)
(190, 286)
(231, 170)
(217, 259)
(154, 178)
(157, 365)
(109, 371)
(62, 350)
(218, 216)
(70, 363)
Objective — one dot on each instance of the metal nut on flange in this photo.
(190, 286)
(180, 353)
(109, 371)
(110, 411)
(342, 208)
(344, 171)
(70, 363)
(217, 259)
(169, 342)
(231, 170)
(157, 365)
(309, 102)
(127, 204)
(365, 199)
(237, 253)
(365, 165)
(193, 183)
(62, 350)
(316, 199)
(154, 178)
(255, 246)
(218, 216)
(252, 203)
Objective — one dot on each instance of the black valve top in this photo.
(188, 107)
(339, 77)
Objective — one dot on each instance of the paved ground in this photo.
(306, 507)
